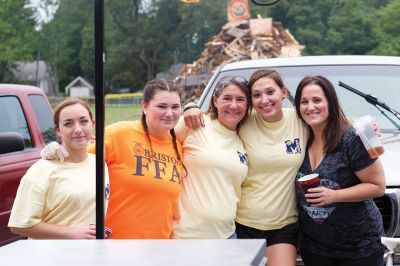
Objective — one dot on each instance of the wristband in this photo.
(189, 107)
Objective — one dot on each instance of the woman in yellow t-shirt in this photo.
(57, 199)
(216, 163)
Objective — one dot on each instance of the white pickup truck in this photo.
(377, 76)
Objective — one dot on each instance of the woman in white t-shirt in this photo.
(57, 200)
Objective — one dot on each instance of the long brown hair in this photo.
(241, 83)
(337, 122)
(150, 89)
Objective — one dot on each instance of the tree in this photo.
(123, 29)
(350, 27)
(198, 24)
(307, 20)
(18, 37)
(62, 39)
(387, 30)
(154, 42)
(329, 26)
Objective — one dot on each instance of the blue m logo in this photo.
(242, 157)
(107, 192)
(293, 147)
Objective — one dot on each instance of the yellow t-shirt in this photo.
(275, 152)
(217, 165)
(144, 186)
(61, 193)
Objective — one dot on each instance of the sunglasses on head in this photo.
(227, 81)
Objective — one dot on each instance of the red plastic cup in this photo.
(107, 233)
(309, 181)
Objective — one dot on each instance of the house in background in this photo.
(37, 73)
(79, 88)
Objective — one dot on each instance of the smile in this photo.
(266, 107)
(313, 114)
(79, 138)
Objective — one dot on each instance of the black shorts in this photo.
(375, 259)
(288, 234)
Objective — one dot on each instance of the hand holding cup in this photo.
(366, 129)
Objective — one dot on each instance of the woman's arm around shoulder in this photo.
(193, 116)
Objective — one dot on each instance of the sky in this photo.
(44, 14)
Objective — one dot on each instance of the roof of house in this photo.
(78, 82)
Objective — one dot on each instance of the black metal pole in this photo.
(99, 101)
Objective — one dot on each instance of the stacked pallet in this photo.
(240, 40)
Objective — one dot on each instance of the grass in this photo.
(121, 112)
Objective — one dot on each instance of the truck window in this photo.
(13, 119)
(44, 116)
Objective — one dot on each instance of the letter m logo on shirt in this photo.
(293, 147)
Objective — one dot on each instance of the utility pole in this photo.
(99, 114)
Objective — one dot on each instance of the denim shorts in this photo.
(233, 236)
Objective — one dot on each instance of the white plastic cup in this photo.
(366, 130)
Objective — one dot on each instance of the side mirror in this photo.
(11, 142)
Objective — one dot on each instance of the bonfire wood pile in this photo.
(240, 40)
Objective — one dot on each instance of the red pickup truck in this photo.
(26, 126)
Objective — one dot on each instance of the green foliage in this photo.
(350, 27)
(387, 30)
(62, 39)
(86, 52)
(307, 20)
(199, 23)
(143, 40)
(18, 37)
(144, 37)
(330, 26)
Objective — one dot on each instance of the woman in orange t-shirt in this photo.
(144, 162)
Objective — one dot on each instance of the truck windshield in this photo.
(380, 81)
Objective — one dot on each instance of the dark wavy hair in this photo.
(337, 122)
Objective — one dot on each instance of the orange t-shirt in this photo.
(144, 189)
